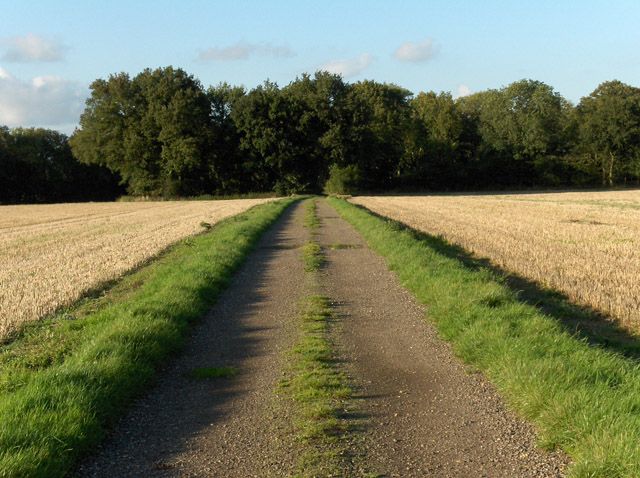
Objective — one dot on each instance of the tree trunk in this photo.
(612, 160)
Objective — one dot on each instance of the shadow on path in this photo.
(214, 426)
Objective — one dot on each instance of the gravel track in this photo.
(428, 415)
(233, 427)
(423, 414)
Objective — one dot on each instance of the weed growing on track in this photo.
(319, 390)
(311, 219)
(63, 382)
(582, 398)
(312, 256)
(314, 381)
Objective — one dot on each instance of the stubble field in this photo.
(52, 254)
(586, 245)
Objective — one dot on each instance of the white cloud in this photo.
(462, 90)
(348, 67)
(242, 51)
(416, 51)
(44, 101)
(32, 48)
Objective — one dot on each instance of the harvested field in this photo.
(585, 244)
(52, 254)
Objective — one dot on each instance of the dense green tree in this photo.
(609, 131)
(165, 135)
(375, 123)
(520, 126)
(262, 117)
(285, 133)
(432, 142)
(325, 99)
(152, 130)
(225, 165)
(36, 165)
(103, 132)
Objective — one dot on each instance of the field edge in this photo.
(58, 400)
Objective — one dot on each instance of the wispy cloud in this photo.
(243, 51)
(349, 67)
(462, 90)
(416, 51)
(32, 48)
(46, 101)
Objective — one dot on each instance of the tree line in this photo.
(37, 166)
(163, 134)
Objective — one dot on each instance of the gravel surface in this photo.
(232, 427)
(421, 412)
(427, 414)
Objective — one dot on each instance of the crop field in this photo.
(586, 245)
(52, 254)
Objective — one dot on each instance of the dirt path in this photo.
(424, 414)
(428, 416)
(223, 427)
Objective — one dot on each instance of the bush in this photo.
(342, 180)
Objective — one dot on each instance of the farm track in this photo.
(230, 427)
(423, 414)
(428, 416)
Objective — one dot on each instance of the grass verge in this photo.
(319, 391)
(581, 398)
(63, 382)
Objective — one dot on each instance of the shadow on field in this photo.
(580, 321)
(159, 426)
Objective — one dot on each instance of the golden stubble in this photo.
(585, 244)
(50, 255)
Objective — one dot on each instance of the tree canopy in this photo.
(36, 165)
(162, 133)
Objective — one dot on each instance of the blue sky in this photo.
(50, 51)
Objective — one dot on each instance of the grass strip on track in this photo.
(320, 391)
(313, 380)
(311, 219)
(581, 398)
(62, 383)
(312, 256)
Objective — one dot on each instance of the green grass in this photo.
(311, 219)
(213, 372)
(64, 381)
(314, 382)
(582, 398)
(319, 390)
(312, 256)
